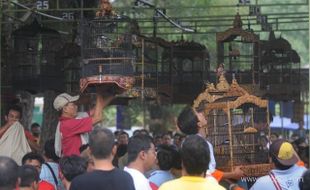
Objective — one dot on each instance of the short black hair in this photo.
(32, 156)
(304, 183)
(144, 132)
(124, 133)
(72, 166)
(28, 174)
(116, 133)
(14, 107)
(168, 134)
(165, 156)
(187, 121)
(8, 174)
(137, 144)
(136, 132)
(34, 125)
(195, 155)
(101, 142)
(49, 150)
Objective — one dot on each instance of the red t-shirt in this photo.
(44, 185)
(29, 136)
(70, 130)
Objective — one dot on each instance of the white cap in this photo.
(62, 99)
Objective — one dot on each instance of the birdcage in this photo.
(237, 49)
(238, 124)
(107, 54)
(33, 58)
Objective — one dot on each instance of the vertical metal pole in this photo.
(281, 115)
(82, 37)
(231, 148)
(142, 80)
(1, 11)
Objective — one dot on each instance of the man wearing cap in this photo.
(70, 128)
(286, 174)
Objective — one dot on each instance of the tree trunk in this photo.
(50, 117)
(27, 104)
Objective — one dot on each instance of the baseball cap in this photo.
(283, 152)
(62, 99)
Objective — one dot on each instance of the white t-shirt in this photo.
(139, 180)
(212, 163)
(287, 179)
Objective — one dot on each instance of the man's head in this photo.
(35, 129)
(65, 104)
(158, 140)
(195, 155)
(72, 166)
(85, 154)
(33, 159)
(189, 121)
(167, 139)
(142, 150)
(283, 154)
(102, 143)
(273, 137)
(13, 113)
(49, 150)
(123, 138)
(29, 177)
(8, 174)
(166, 157)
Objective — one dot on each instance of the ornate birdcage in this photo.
(237, 121)
(33, 58)
(238, 50)
(107, 54)
(187, 63)
(280, 64)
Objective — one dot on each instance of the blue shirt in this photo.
(159, 177)
(287, 179)
(46, 174)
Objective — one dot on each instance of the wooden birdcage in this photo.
(33, 58)
(107, 54)
(238, 50)
(237, 125)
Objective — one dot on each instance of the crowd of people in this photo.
(82, 156)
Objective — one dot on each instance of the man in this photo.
(29, 178)
(167, 139)
(195, 157)
(70, 129)
(105, 176)
(166, 157)
(192, 122)
(50, 168)
(287, 174)
(36, 160)
(122, 138)
(71, 167)
(8, 173)
(35, 131)
(141, 158)
(13, 141)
